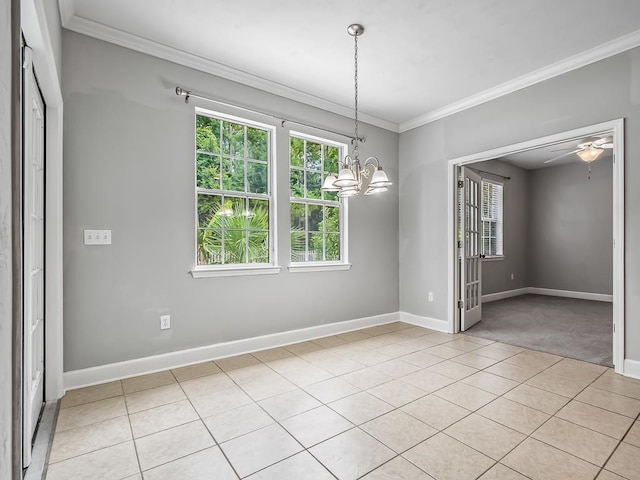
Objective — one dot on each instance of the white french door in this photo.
(33, 258)
(471, 264)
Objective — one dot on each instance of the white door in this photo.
(33, 266)
(471, 265)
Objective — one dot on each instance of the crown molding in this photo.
(588, 57)
(73, 22)
(143, 45)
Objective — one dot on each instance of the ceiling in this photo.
(419, 59)
(534, 159)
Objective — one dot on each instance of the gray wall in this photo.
(496, 274)
(570, 222)
(129, 167)
(6, 352)
(603, 91)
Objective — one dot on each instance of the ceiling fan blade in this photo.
(602, 141)
(605, 145)
(563, 155)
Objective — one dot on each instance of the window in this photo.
(233, 188)
(317, 217)
(492, 219)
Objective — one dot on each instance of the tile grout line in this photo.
(333, 350)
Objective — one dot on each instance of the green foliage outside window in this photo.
(232, 160)
(315, 215)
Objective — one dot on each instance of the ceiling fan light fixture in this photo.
(590, 154)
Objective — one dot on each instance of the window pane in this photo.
(209, 211)
(257, 144)
(235, 246)
(314, 184)
(208, 171)
(296, 152)
(233, 175)
(314, 223)
(257, 177)
(297, 183)
(313, 156)
(258, 215)
(207, 134)
(238, 219)
(331, 219)
(209, 246)
(331, 196)
(298, 246)
(258, 247)
(332, 247)
(297, 216)
(315, 247)
(331, 159)
(233, 139)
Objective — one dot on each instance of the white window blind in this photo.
(492, 219)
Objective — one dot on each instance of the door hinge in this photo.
(614, 328)
(460, 304)
(460, 184)
(459, 243)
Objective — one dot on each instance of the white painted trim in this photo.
(36, 32)
(236, 271)
(631, 368)
(598, 297)
(618, 247)
(149, 47)
(606, 50)
(318, 267)
(139, 366)
(615, 126)
(426, 322)
(492, 297)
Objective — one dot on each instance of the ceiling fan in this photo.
(588, 151)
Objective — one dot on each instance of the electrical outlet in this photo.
(513, 276)
(165, 322)
(431, 296)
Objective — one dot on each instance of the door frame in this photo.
(617, 127)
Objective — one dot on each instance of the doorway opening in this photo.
(475, 231)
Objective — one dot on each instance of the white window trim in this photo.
(205, 271)
(241, 269)
(324, 266)
(493, 258)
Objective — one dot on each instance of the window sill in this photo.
(235, 271)
(318, 267)
(493, 259)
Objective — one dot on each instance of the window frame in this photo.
(499, 222)
(238, 269)
(341, 203)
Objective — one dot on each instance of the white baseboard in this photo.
(598, 297)
(492, 297)
(632, 368)
(426, 322)
(155, 363)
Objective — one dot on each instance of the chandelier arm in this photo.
(369, 162)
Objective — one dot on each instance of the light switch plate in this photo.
(97, 237)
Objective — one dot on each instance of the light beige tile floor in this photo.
(383, 403)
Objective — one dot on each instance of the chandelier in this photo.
(349, 181)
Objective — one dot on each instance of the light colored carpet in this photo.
(580, 329)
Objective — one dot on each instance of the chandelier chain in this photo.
(355, 78)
